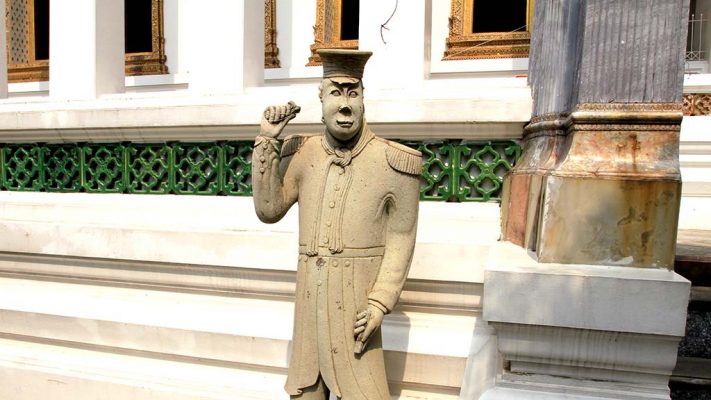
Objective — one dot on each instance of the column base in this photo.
(582, 331)
(546, 387)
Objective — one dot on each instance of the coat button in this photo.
(320, 261)
(325, 240)
(318, 282)
(331, 204)
(335, 264)
(348, 263)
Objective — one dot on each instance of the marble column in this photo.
(220, 68)
(86, 48)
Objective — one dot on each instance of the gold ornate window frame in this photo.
(327, 31)
(20, 31)
(271, 51)
(23, 67)
(462, 44)
(150, 62)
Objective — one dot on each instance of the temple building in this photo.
(133, 266)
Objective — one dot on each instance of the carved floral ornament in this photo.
(696, 104)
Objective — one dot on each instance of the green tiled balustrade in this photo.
(452, 170)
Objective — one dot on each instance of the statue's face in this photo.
(342, 106)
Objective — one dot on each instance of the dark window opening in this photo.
(41, 29)
(492, 16)
(349, 19)
(137, 25)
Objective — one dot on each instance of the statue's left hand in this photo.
(367, 322)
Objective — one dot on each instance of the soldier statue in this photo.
(358, 197)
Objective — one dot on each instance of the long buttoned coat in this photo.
(357, 224)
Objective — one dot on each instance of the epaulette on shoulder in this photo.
(404, 159)
(292, 144)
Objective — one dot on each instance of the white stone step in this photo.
(425, 352)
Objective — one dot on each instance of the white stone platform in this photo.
(582, 331)
(169, 297)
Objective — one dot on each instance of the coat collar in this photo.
(344, 154)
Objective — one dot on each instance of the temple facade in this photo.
(132, 265)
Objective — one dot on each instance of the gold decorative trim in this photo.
(271, 51)
(644, 113)
(696, 104)
(607, 117)
(628, 107)
(463, 44)
(327, 31)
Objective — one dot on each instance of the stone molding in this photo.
(581, 324)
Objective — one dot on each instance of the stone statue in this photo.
(358, 198)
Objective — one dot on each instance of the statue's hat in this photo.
(343, 63)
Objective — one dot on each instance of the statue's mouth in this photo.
(344, 124)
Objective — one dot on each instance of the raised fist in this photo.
(275, 119)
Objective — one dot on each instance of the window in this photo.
(145, 44)
(489, 29)
(28, 39)
(698, 37)
(336, 27)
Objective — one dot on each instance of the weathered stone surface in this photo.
(358, 202)
(552, 67)
(605, 122)
(632, 51)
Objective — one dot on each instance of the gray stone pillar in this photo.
(596, 197)
(599, 180)
(552, 70)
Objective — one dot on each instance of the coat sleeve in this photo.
(274, 177)
(401, 228)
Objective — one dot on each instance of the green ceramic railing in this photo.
(452, 170)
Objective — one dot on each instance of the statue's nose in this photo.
(345, 109)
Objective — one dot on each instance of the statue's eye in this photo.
(335, 93)
(353, 94)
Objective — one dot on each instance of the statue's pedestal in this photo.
(582, 331)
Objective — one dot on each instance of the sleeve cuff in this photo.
(378, 305)
(266, 142)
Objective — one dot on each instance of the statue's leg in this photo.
(317, 391)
